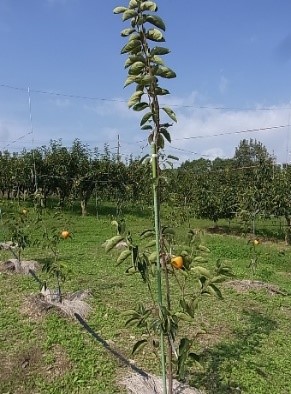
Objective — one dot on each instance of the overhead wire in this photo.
(84, 97)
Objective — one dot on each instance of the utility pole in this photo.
(118, 149)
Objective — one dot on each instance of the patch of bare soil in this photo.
(149, 384)
(28, 363)
(242, 286)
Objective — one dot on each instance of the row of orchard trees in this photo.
(250, 184)
(68, 174)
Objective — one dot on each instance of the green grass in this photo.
(244, 339)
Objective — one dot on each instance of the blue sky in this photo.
(232, 59)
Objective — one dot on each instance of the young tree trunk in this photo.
(83, 204)
(288, 230)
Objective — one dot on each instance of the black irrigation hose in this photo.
(94, 334)
(108, 347)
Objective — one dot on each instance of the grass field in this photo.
(243, 340)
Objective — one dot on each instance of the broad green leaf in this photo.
(147, 80)
(129, 80)
(140, 106)
(149, 6)
(218, 279)
(123, 256)
(153, 257)
(200, 259)
(131, 45)
(150, 138)
(183, 316)
(165, 72)
(139, 345)
(166, 134)
(156, 21)
(184, 348)
(126, 32)
(136, 68)
(173, 157)
(145, 118)
(203, 248)
(160, 142)
(155, 35)
(147, 233)
(147, 127)
(161, 91)
(133, 4)
(157, 60)
(214, 290)
(131, 270)
(134, 99)
(159, 51)
(119, 10)
(112, 242)
(201, 271)
(128, 14)
(170, 113)
(150, 244)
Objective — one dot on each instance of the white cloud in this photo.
(213, 132)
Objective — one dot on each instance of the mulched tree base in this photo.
(149, 384)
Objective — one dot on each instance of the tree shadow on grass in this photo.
(219, 360)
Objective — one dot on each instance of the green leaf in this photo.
(173, 157)
(201, 271)
(128, 14)
(126, 32)
(203, 248)
(161, 92)
(170, 113)
(153, 257)
(131, 79)
(165, 72)
(133, 4)
(214, 290)
(134, 99)
(200, 259)
(159, 51)
(145, 118)
(136, 68)
(155, 35)
(140, 106)
(119, 10)
(147, 234)
(157, 60)
(147, 80)
(156, 21)
(160, 142)
(139, 345)
(123, 256)
(166, 134)
(147, 127)
(184, 348)
(130, 46)
(183, 316)
(149, 6)
(112, 242)
(150, 244)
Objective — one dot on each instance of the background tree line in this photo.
(251, 184)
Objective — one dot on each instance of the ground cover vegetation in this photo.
(200, 306)
(242, 340)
